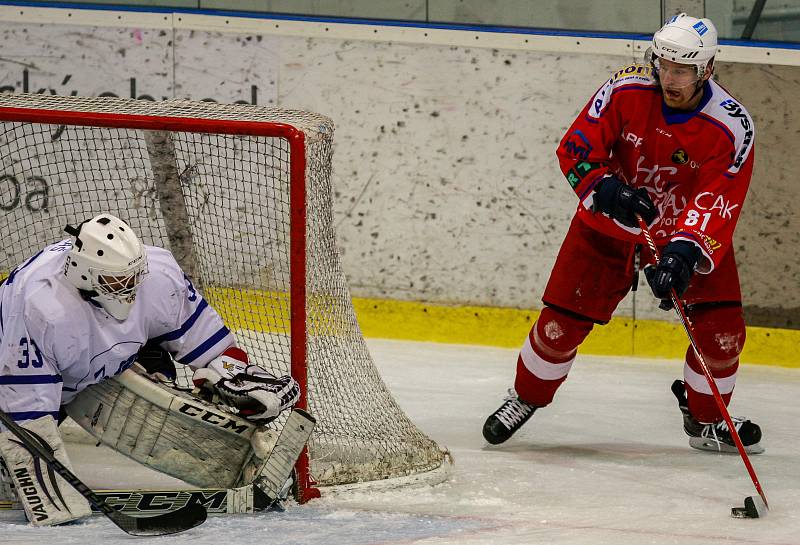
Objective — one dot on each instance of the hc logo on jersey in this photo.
(700, 27)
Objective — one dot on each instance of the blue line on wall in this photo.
(386, 22)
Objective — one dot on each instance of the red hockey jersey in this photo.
(696, 165)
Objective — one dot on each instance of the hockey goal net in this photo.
(242, 197)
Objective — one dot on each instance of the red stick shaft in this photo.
(706, 371)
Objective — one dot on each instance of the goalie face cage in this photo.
(241, 195)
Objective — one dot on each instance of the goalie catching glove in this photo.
(254, 392)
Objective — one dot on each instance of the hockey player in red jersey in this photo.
(664, 141)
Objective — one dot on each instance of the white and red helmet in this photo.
(686, 40)
(107, 263)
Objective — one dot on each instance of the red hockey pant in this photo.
(592, 274)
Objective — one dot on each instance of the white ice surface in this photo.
(606, 463)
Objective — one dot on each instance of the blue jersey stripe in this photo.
(172, 335)
(32, 415)
(591, 187)
(30, 379)
(690, 235)
(205, 346)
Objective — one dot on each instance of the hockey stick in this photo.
(260, 495)
(752, 507)
(173, 522)
(143, 502)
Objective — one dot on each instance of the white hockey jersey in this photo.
(53, 343)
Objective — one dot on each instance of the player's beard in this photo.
(682, 97)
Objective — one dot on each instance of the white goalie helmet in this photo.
(685, 40)
(107, 263)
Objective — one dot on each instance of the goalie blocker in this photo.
(172, 431)
(45, 496)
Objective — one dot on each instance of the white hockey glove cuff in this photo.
(254, 392)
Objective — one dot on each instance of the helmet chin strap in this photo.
(697, 88)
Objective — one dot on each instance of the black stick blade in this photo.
(174, 522)
(180, 520)
(754, 508)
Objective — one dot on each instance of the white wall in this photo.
(447, 186)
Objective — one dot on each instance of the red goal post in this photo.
(241, 195)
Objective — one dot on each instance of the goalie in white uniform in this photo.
(78, 312)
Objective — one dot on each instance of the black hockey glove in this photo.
(157, 362)
(622, 202)
(673, 270)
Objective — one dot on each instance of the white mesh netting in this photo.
(220, 201)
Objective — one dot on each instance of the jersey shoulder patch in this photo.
(633, 77)
(641, 74)
(729, 114)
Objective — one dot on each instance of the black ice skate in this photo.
(716, 437)
(507, 419)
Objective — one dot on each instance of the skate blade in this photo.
(704, 443)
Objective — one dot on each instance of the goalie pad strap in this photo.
(45, 496)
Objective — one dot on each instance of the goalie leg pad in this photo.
(8, 497)
(45, 496)
(263, 442)
(167, 430)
